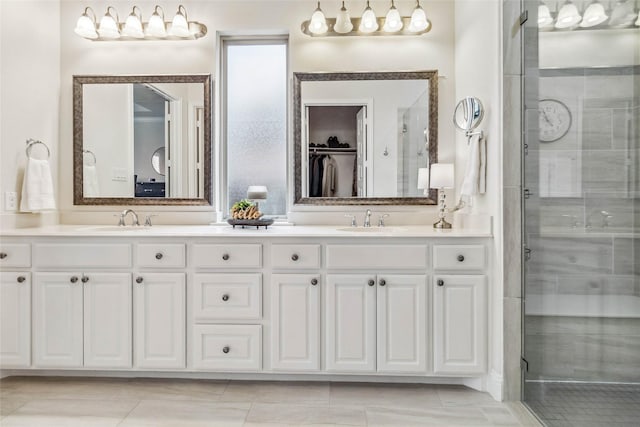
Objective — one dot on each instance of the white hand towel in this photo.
(37, 187)
(90, 186)
(475, 176)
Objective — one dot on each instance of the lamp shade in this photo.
(622, 15)
(419, 21)
(343, 23)
(568, 16)
(133, 25)
(318, 22)
(368, 22)
(544, 16)
(594, 15)
(86, 26)
(393, 21)
(423, 180)
(257, 192)
(156, 27)
(442, 175)
(108, 28)
(179, 25)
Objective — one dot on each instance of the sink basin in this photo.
(371, 229)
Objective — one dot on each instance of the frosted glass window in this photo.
(256, 121)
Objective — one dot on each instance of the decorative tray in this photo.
(257, 223)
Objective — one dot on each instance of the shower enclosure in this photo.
(581, 214)
(413, 150)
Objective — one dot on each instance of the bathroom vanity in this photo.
(408, 302)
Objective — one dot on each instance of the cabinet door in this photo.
(15, 320)
(57, 320)
(459, 324)
(402, 326)
(351, 323)
(295, 302)
(159, 317)
(107, 320)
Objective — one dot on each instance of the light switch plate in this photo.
(10, 201)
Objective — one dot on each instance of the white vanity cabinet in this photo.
(376, 323)
(15, 319)
(295, 328)
(82, 320)
(159, 319)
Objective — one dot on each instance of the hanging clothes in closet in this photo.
(329, 177)
(316, 169)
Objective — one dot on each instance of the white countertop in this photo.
(225, 230)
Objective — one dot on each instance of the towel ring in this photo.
(31, 143)
(92, 155)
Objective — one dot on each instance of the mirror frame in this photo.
(78, 191)
(298, 78)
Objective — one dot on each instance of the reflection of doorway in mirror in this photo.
(336, 138)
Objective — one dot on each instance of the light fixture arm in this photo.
(155, 10)
(139, 14)
(88, 8)
(116, 12)
(182, 11)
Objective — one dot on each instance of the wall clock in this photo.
(555, 120)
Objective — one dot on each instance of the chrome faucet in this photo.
(367, 218)
(124, 214)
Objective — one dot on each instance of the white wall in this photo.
(29, 88)
(478, 73)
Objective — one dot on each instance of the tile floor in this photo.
(86, 402)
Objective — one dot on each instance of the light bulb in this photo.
(544, 17)
(568, 16)
(393, 21)
(594, 15)
(133, 25)
(156, 27)
(108, 28)
(179, 25)
(318, 22)
(86, 26)
(368, 22)
(419, 21)
(343, 23)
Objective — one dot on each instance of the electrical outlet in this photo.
(10, 201)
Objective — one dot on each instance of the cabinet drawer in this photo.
(227, 296)
(227, 347)
(15, 255)
(161, 255)
(82, 255)
(227, 256)
(459, 257)
(388, 257)
(295, 256)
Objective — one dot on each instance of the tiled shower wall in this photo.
(585, 210)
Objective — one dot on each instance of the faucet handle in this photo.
(147, 220)
(120, 219)
(381, 220)
(353, 220)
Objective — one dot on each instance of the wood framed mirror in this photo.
(119, 122)
(361, 138)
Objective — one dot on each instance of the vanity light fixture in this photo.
(318, 22)
(393, 21)
(133, 24)
(568, 16)
(134, 28)
(368, 22)
(594, 15)
(393, 24)
(86, 25)
(343, 23)
(109, 26)
(442, 177)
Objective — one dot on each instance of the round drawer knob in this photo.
(73, 279)
(371, 282)
(294, 257)
(225, 257)
(440, 282)
(159, 255)
(383, 282)
(314, 281)
(225, 297)
(84, 279)
(3, 255)
(21, 279)
(460, 258)
(139, 279)
(226, 350)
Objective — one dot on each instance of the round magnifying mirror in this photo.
(157, 161)
(468, 114)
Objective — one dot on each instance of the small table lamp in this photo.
(257, 192)
(441, 178)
